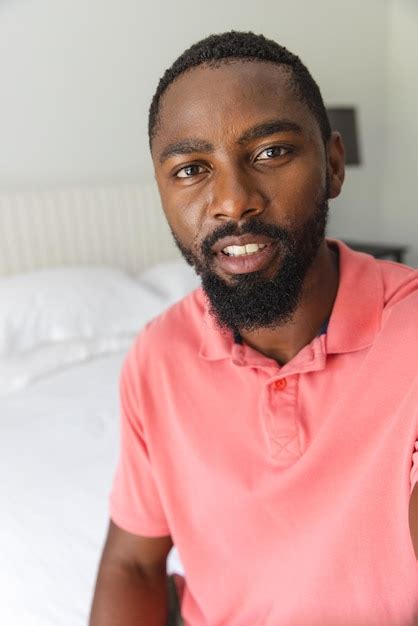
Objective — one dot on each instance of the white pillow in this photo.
(72, 303)
(20, 370)
(54, 318)
(171, 280)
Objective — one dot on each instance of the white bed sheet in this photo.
(59, 442)
(58, 450)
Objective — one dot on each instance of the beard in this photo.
(251, 301)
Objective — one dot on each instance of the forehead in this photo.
(208, 101)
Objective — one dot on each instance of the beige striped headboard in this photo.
(122, 226)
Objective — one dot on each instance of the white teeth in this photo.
(254, 247)
(250, 248)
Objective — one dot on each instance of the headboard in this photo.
(120, 225)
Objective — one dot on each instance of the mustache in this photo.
(254, 226)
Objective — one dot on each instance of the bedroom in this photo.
(76, 189)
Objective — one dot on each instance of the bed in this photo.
(82, 270)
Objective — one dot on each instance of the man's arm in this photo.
(131, 587)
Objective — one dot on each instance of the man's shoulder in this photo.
(180, 325)
(400, 305)
(400, 283)
(165, 348)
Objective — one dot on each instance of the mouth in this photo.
(243, 255)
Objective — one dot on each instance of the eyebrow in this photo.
(190, 146)
(269, 128)
(186, 146)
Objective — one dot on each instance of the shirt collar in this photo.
(357, 312)
(355, 318)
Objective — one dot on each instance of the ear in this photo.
(335, 164)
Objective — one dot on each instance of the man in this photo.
(269, 422)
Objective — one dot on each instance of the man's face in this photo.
(242, 172)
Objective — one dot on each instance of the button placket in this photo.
(279, 411)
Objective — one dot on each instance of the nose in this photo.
(235, 196)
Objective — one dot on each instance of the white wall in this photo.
(400, 199)
(78, 75)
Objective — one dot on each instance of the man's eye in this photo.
(272, 152)
(189, 170)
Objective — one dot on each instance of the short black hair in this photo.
(250, 47)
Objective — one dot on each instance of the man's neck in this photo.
(318, 297)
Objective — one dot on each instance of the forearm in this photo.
(127, 596)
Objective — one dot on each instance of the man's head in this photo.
(244, 156)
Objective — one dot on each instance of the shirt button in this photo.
(279, 385)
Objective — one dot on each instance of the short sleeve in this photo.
(414, 470)
(135, 505)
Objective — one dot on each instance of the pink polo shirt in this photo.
(284, 488)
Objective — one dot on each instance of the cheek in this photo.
(183, 216)
(298, 192)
